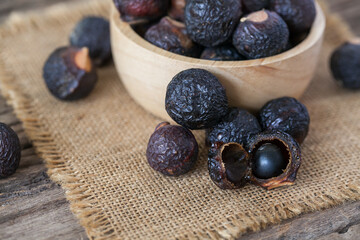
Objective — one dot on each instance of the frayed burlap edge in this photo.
(82, 204)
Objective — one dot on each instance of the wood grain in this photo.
(33, 207)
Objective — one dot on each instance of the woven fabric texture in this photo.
(96, 147)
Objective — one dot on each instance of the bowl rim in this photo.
(316, 33)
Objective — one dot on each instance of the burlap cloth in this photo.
(96, 147)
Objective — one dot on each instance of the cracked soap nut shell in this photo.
(10, 151)
(228, 165)
(345, 65)
(93, 33)
(131, 10)
(210, 22)
(237, 126)
(196, 99)
(69, 73)
(171, 35)
(288, 115)
(298, 14)
(261, 34)
(172, 150)
(221, 53)
(290, 151)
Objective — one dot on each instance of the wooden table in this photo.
(34, 207)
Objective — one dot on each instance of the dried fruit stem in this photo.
(82, 59)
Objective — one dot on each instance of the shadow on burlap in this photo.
(96, 147)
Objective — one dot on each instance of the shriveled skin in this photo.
(261, 39)
(211, 22)
(222, 53)
(131, 10)
(10, 151)
(298, 14)
(254, 5)
(291, 150)
(237, 126)
(93, 33)
(287, 115)
(196, 99)
(171, 35)
(64, 79)
(345, 65)
(172, 150)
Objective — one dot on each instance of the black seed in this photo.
(345, 65)
(261, 34)
(196, 99)
(171, 35)
(93, 33)
(268, 161)
(210, 22)
(287, 115)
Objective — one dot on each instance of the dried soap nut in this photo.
(298, 14)
(237, 126)
(196, 99)
(228, 165)
(211, 23)
(345, 65)
(69, 73)
(288, 115)
(172, 150)
(171, 35)
(93, 33)
(177, 10)
(261, 34)
(255, 5)
(10, 151)
(221, 53)
(131, 10)
(276, 159)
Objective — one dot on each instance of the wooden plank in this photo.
(33, 207)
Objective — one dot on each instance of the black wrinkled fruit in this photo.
(269, 161)
(69, 73)
(228, 165)
(288, 115)
(237, 126)
(10, 151)
(261, 34)
(345, 65)
(255, 5)
(171, 35)
(93, 33)
(298, 14)
(211, 22)
(132, 10)
(177, 10)
(196, 99)
(221, 53)
(281, 144)
(172, 150)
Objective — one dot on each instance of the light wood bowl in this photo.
(146, 70)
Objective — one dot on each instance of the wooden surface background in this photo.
(34, 207)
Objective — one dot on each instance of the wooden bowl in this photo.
(146, 69)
